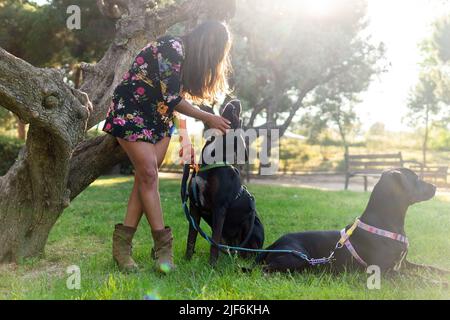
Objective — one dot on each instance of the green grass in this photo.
(83, 237)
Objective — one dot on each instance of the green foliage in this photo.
(7, 121)
(38, 34)
(436, 63)
(442, 39)
(326, 153)
(91, 41)
(9, 150)
(282, 55)
(423, 103)
(378, 128)
(441, 44)
(82, 236)
(429, 101)
(440, 140)
(16, 19)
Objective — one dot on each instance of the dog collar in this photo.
(213, 166)
(351, 249)
(383, 233)
(346, 234)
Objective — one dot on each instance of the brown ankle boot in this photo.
(162, 250)
(122, 248)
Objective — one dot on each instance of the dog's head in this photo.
(404, 186)
(233, 143)
(230, 110)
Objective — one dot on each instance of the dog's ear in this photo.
(396, 174)
(232, 112)
(237, 107)
(234, 103)
(400, 178)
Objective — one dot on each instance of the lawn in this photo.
(83, 237)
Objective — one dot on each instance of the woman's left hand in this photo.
(187, 154)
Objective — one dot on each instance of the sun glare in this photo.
(319, 7)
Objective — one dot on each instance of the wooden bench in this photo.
(370, 165)
(431, 173)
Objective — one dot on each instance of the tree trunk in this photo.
(425, 138)
(57, 163)
(343, 135)
(270, 125)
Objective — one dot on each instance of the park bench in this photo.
(370, 165)
(431, 173)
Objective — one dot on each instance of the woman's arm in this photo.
(186, 152)
(182, 129)
(213, 121)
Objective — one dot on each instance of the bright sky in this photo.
(401, 25)
(40, 1)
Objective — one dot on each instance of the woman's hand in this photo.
(187, 154)
(217, 122)
(213, 121)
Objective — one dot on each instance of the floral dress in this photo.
(143, 103)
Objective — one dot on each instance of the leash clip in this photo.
(194, 167)
(315, 262)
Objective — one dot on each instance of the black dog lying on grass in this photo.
(216, 194)
(377, 239)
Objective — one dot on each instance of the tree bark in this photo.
(57, 163)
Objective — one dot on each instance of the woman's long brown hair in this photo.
(207, 63)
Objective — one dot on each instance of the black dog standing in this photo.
(216, 194)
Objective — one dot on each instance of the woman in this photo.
(141, 117)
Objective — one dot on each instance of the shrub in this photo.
(440, 140)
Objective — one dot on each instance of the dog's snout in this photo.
(429, 186)
(432, 189)
(426, 191)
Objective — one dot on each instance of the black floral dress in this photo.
(143, 103)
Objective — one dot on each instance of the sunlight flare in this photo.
(319, 7)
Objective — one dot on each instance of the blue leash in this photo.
(227, 248)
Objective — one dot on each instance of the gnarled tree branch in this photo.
(56, 164)
(90, 160)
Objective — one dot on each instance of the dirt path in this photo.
(333, 182)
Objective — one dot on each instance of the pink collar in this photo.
(351, 249)
(383, 233)
(345, 237)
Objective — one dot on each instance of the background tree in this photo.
(333, 104)
(284, 58)
(57, 163)
(16, 20)
(424, 109)
(333, 114)
(25, 27)
(429, 101)
(437, 51)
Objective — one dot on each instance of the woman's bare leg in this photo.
(136, 207)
